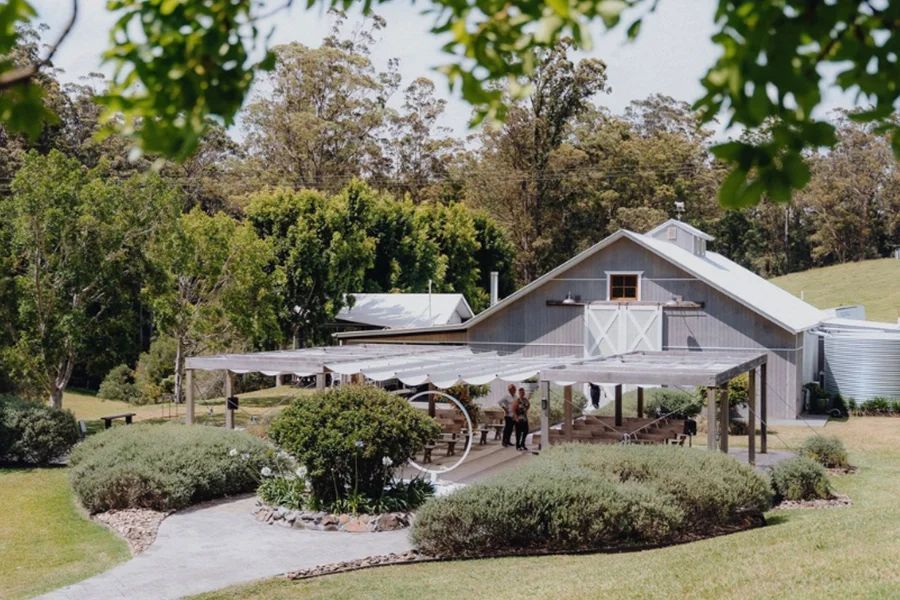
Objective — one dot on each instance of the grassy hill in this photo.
(873, 283)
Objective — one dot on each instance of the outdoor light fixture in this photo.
(568, 299)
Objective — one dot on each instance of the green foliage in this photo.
(828, 451)
(681, 404)
(154, 374)
(34, 434)
(166, 467)
(556, 406)
(576, 497)
(800, 478)
(350, 439)
(289, 492)
(119, 385)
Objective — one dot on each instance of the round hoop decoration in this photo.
(435, 472)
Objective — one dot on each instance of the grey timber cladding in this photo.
(531, 326)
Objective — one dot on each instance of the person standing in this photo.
(506, 403)
(520, 411)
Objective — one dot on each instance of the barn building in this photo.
(657, 291)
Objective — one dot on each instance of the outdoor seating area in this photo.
(591, 429)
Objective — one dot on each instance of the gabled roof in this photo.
(403, 311)
(720, 273)
(681, 225)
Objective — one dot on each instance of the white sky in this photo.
(670, 56)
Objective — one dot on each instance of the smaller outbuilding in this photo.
(403, 311)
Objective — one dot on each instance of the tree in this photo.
(213, 287)
(321, 123)
(515, 183)
(321, 248)
(74, 238)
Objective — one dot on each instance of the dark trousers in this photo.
(521, 432)
(508, 424)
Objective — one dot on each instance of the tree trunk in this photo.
(61, 380)
(178, 392)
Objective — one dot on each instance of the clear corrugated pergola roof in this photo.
(445, 366)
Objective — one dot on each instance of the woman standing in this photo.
(520, 413)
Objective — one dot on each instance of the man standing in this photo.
(508, 421)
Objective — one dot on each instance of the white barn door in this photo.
(622, 328)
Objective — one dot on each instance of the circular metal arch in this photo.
(435, 472)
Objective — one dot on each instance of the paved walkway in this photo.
(221, 544)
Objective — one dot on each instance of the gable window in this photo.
(624, 287)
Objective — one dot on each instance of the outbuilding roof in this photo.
(401, 311)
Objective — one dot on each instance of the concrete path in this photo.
(220, 544)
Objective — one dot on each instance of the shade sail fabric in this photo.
(441, 365)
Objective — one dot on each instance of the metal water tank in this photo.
(863, 364)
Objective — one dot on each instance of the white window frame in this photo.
(609, 274)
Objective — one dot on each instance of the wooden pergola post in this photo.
(711, 418)
(229, 392)
(568, 421)
(751, 416)
(189, 396)
(545, 413)
(640, 402)
(320, 381)
(763, 426)
(724, 410)
(618, 401)
(432, 409)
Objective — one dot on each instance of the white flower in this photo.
(386, 461)
(301, 472)
(359, 443)
(233, 452)
(245, 456)
(266, 472)
(283, 454)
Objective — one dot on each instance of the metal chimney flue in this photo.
(495, 287)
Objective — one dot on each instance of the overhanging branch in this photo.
(25, 74)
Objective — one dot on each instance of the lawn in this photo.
(838, 552)
(45, 541)
(873, 283)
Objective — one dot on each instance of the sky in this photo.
(670, 56)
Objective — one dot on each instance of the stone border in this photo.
(323, 521)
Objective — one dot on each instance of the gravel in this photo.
(137, 525)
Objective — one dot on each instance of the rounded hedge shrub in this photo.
(800, 478)
(119, 385)
(34, 434)
(576, 497)
(166, 467)
(345, 436)
(827, 451)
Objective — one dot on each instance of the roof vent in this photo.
(683, 235)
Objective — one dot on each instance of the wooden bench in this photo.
(107, 421)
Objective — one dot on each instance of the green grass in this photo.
(45, 541)
(873, 283)
(838, 552)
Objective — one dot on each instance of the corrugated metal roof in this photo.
(402, 311)
(682, 225)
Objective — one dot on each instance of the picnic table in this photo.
(107, 421)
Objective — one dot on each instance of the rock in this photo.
(357, 526)
(137, 525)
(332, 527)
(298, 524)
(343, 519)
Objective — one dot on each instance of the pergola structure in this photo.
(443, 366)
(712, 370)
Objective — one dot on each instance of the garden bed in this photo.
(833, 502)
(137, 526)
(325, 521)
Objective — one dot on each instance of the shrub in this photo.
(119, 385)
(579, 401)
(800, 478)
(165, 467)
(34, 434)
(575, 497)
(350, 439)
(682, 404)
(155, 371)
(289, 492)
(827, 451)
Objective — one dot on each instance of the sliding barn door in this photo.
(621, 328)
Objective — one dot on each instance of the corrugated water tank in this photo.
(863, 364)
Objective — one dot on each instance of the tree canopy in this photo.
(177, 63)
